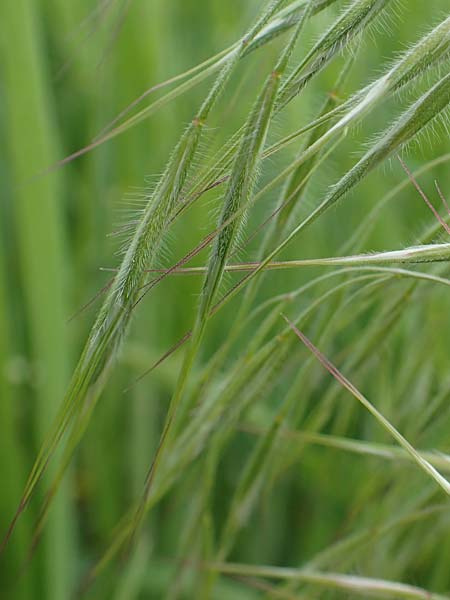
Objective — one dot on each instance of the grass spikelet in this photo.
(413, 121)
(429, 52)
(354, 19)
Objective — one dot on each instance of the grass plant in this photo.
(198, 440)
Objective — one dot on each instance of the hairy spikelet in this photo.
(354, 19)
(413, 121)
(430, 51)
(241, 184)
(427, 53)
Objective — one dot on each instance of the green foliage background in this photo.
(66, 70)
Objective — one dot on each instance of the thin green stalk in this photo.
(413, 255)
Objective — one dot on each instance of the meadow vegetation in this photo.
(224, 299)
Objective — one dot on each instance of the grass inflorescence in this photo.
(257, 453)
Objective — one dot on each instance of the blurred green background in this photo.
(66, 70)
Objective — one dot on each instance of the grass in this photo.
(217, 462)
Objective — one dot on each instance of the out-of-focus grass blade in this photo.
(12, 459)
(32, 143)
